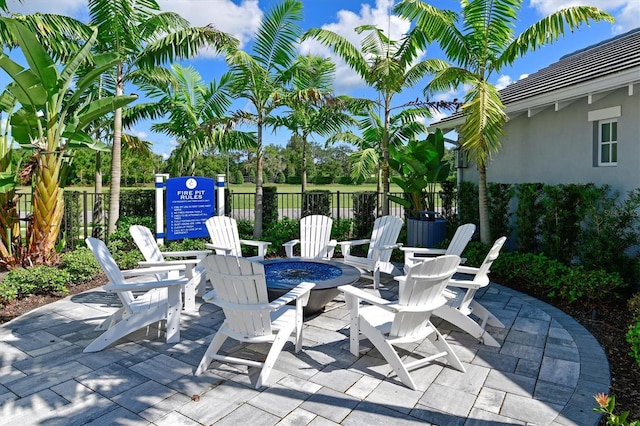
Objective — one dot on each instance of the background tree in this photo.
(368, 159)
(144, 38)
(389, 66)
(51, 120)
(261, 78)
(194, 112)
(482, 44)
(311, 106)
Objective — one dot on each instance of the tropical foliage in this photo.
(51, 120)
(262, 77)
(144, 38)
(480, 41)
(389, 66)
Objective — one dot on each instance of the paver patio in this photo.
(546, 372)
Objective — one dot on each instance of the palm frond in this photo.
(549, 29)
(183, 44)
(341, 47)
(277, 37)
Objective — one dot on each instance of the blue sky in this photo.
(242, 18)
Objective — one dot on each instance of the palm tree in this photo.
(482, 46)
(53, 115)
(389, 66)
(311, 105)
(403, 126)
(143, 37)
(194, 114)
(261, 77)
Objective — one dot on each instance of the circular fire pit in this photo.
(284, 274)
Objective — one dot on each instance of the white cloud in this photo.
(503, 81)
(523, 76)
(242, 20)
(626, 12)
(60, 7)
(141, 134)
(346, 78)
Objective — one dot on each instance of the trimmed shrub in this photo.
(279, 233)
(499, 199)
(528, 215)
(40, 279)
(269, 205)
(364, 213)
(316, 202)
(81, 265)
(633, 338)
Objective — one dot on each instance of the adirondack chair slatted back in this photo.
(461, 238)
(239, 282)
(423, 290)
(223, 231)
(110, 268)
(386, 230)
(482, 277)
(315, 233)
(145, 241)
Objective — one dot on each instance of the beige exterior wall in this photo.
(555, 147)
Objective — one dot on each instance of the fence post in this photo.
(160, 184)
(86, 212)
(220, 185)
(338, 204)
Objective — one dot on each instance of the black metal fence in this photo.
(86, 213)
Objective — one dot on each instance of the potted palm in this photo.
(420, 168)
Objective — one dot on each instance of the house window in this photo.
(608, 142)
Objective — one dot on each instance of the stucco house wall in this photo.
(555, 147)
(552, 133)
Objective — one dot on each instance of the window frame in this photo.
(610, 143)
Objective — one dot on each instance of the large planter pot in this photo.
(426, 233)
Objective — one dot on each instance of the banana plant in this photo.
(54, 111)
(420, 167)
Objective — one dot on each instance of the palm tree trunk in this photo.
(483, 210)
(304, 163)
(116, 156)
(257, 224)
(48, 209)
(385, 160)
(97, 200)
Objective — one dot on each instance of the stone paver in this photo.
(546, 372)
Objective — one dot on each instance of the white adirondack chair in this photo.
(382, 242)
(143, 237)
(153, 301)
(462, 305)
(460, 239)
(225, 240)
(388, 323)
(315, 238)
(240, 289)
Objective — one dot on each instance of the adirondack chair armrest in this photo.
(227, 250)
(262, 246)
(300, 292)
(470, 270)
(423, 250)
(331, 247)
(153, 270)
(392, 246)
(143, 285)
(359, 294)
(188, 263)
(466, 284)
(199, 254)
(345, 246)
(288, 247)
(255, 243)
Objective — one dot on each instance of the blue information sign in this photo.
(190, 202)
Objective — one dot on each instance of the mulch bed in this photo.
(608, 322)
